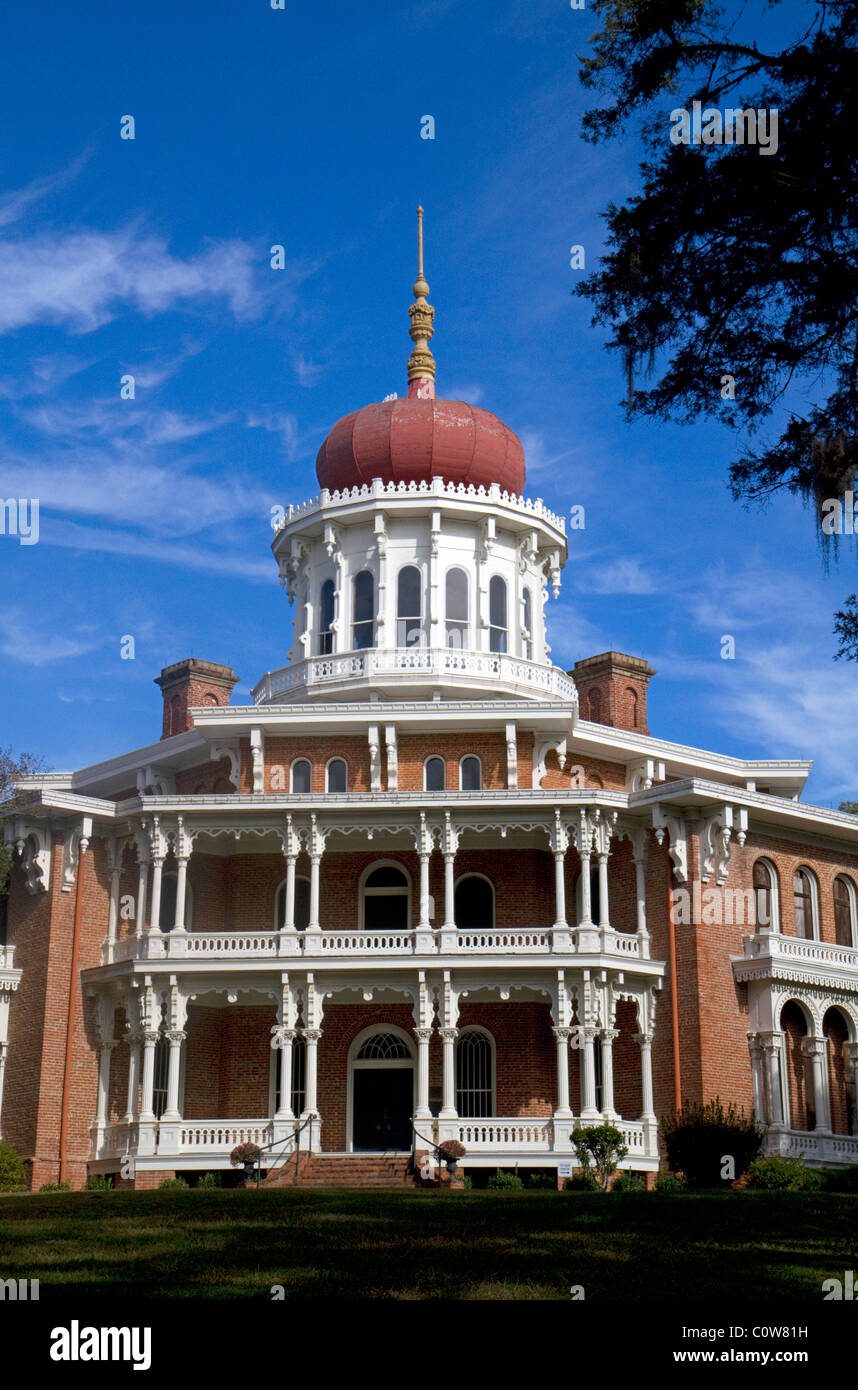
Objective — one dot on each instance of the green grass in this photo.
(415, 1245)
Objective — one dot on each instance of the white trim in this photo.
(393, 1064)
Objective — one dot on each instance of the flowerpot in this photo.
(452, 1167)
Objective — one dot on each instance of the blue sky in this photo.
(301, 127)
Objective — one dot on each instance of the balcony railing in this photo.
(435, 663)
(836, 1149)
(774, 946)
(269, 945)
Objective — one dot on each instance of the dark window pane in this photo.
(436, 775)
(471, 775)
(337, 776)
(302, 904)
(387, 877)
(301, 777)
(474, 906)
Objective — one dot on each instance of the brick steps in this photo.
(344, 1170)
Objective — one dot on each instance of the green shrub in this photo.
(172, 1185)
(504, 1181)
(628, 1182)
(840, 1179)
(55, 1187)
(467, 1182)
(98, 1182)
(698, 1138)
(210, 1180)
(542, 1182)
(584, 1181)
(600, 1147)
(670, 1182)
(11, 1169)
(784, 1175)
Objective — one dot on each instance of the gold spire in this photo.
(421, 363)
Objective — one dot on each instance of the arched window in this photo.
(169, 887)
(765, 895)
(474, 1074)
(497, 614)
(457, 608)
(470, 774)
(386, 899)
(804, 903)
(384, 1047)
(302, 905)
(326, 618)
(474, 908)
(844, 912)
(302, 775)
(338, 775)
(363, 624)
(409, 608)
(159, 1085)
(434, 775)
(527, 625)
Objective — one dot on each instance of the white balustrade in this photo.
(213, 1136)
(523, 941)
(513, 1135)
(431, 661)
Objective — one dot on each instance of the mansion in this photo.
(427, 885)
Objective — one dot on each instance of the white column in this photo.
(133, 1078)
(155, 909)
(424, 889)
(639, 849)
(757, 1079)
(289, 910)
(311, 1100)
(176, 1037)
(285, 1039)
(588, 1075)
(604, 913)
(104, 1051)
(449, 889)
(772, 1049)
(586, 901)
(608, 1111)
(142, 880)
(314, 924)
(563, 1111)
(560, 888)
(644, 1041)
(150, 1042)
(814, 1048)
(448, 1109)
(181, 892)
(423, 1036)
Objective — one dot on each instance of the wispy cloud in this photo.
(82, 279)
(622, 576)
(34, 644)
(14, 204)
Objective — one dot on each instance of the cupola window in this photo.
(363, 626)
(326, 618)
(457, 608)
(497, 614)
(409, 619)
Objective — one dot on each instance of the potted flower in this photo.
(450, 1152)
(246, 1156)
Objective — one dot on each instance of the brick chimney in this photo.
(612, 690)
(192, 682)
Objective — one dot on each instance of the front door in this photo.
(382, 1108)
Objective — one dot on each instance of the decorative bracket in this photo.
(663, 820)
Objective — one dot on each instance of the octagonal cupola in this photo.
(420, 570)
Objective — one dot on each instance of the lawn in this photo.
(416, 1245)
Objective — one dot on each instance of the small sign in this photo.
(564, 1170)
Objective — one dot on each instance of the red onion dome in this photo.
(415, 440)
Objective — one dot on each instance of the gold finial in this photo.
(421, 363)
